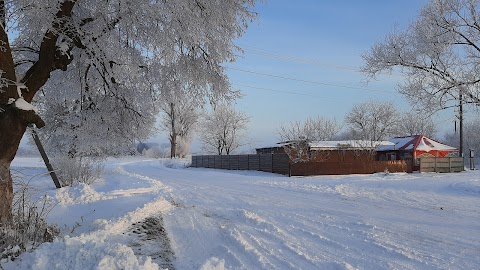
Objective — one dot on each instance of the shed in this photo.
(412, 148)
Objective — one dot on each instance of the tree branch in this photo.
(39, 72)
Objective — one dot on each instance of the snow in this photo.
(21, 104)
(427, 144)
(63, 47)
(408, 143)
(217, 219)
(348, 144)
(340, 144)
(398, 143)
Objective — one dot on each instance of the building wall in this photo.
(342, 168)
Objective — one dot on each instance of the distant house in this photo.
(412, 148)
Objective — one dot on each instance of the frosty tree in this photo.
(438, 54)
(180, 112)
(373, 120)
(414, 123)
(312, 129)
(113, 50)
(297, 136)
(223, 130)
(472, 136)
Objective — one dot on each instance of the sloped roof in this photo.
(334, 145)
(418, 142)
(349, 144)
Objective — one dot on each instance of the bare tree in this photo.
(312, 129)
(472, 136)
(297, 136)
(180, 114)
(414, 123)
(223, 130)
(373, 120)
(117, 49)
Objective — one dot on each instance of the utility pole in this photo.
(460, 118)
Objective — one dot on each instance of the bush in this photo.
(71, 171)
(157, 152)
(29, 228)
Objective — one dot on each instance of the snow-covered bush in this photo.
(29, 228)
(77, 170)
(176, 163)
(157, 152)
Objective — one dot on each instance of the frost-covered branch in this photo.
(438, 54)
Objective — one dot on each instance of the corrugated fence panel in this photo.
(211, 161)
(233, 162)
(225, 162)
(266, 162)
(277, 163)
(280, 164)
(201, 164)
(243, 162)
(194, 161)
(218, 162)
(254, 162)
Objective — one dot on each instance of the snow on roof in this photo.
(404, 143)
(427, 144)
(329, 145)
(347, 144)
(409, 142)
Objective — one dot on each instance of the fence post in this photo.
(272, 163)
(449, 164)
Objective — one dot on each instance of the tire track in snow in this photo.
(156, 185)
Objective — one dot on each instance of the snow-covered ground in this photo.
(216, 219)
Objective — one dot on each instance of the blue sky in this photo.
(317, 45)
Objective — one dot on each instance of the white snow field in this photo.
(217, 219)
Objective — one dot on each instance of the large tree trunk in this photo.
(6, 193)
(173, 133)
(173, 145)
(14, 121)
(12, 124)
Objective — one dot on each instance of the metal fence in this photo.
(274, 163)
(447, 164)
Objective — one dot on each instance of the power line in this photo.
(300, 60)
(311, 82)
(445, 120)
(279, 91)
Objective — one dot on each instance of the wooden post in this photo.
(45, 159)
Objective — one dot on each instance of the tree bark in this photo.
(6, 193)
(13, 121)
(173, 133)
(11, 130)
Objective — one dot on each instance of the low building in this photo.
(335, 157)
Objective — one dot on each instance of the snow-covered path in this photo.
(253, 220)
